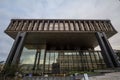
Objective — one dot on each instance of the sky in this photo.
(57, 9)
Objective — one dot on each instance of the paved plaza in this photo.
(107, 76)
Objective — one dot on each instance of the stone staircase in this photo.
(107, 76)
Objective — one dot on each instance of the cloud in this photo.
(77, 9)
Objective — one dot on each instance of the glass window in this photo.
(27, 56)
(65, 61)
(27, 59)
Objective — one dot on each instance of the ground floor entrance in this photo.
(61, 52)
(61, 61)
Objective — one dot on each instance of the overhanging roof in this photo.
(57, 30)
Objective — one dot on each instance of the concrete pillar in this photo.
(104, 50)
(18, 50)
(44, 51)
(17, 45)
(14, 55)
(107, 51)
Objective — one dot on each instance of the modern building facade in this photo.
(61, 45)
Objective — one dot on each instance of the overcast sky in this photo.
(65, 9)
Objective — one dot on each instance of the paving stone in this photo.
(107, 76)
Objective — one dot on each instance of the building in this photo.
(61, 45)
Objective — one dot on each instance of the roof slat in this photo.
(59, 25)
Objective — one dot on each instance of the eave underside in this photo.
(60, 32)
(81, 39)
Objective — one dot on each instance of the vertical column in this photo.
(19, 47)
(39, 55)
(82, 63)
(43, 47)
(110, 51)
(44, 62)
(107, 51)
(35, 62)
(14, 55)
